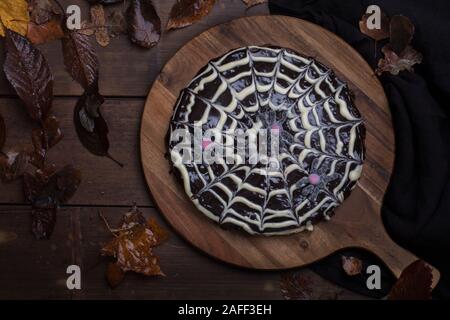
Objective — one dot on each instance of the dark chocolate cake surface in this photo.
(314, 143)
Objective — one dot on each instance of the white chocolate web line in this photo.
(256, 87)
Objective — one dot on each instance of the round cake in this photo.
(313, 146)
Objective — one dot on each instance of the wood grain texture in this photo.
(134, 78)
(357, 222)
(103, 183)
(33, 269)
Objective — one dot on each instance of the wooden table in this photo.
(34, 269)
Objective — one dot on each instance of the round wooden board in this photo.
(357, 222)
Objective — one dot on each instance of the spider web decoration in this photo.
(321, 140)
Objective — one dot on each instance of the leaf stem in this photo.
(116, 161)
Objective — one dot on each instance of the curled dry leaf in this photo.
(114, 275)
(251, 3)
(401, 33)
(145, 24)
(14, 16)
(376, 33)
(99, 21)
(46, 190)
(133, 246)
(117, 23)
(87, 28)
(45, 138)
(2, 132)
(351, 265)
(295, 286)
(13, 163)
(414, 283)
(43, 33)
(33, 82)
(42, 11)
(186, 12)
(91, 127)
(394, 63)
(81, 60)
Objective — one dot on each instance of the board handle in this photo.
(394, 256)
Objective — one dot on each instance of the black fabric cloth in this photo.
(416, 209)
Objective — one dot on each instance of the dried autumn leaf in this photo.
(401, 33)
(99, 21)
(145, 24)
(414, 283)
(33, 81)
(43, 222)
(47, 190)
(393, 63)
(91, 127)
(186, 12)
(6, 237)
(377, 33)
(87, 28)
(14, 16)
(42, 11)
(43, 33)
(133, 245)
(14, 163)
(117, 23)
(45, 138)
(160, 234)
(351, 265)
(251, 3)
(295, 286)
(114, 275)
(2, 132)
(81, 60)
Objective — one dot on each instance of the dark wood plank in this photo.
(33, 269)
(104, 183)
(127, 70)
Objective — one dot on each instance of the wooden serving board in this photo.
(357, 222)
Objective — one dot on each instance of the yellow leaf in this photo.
(14, 16)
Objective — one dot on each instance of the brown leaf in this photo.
(114, 275)
(160, 234)
(186, 12)
(87, 28)
(91, 127)
(414, 283)
(42, 11)
(251, 3)
(81, 60)
(133, 245)
(117, 23)
(47, 189)
(351, 265)
(45, 138)
(14, 163)
(33, 81)
(376, 34)
(295, 286)
(401, 33)
(43, 33)
(393, 63)
(145, 24)
(51, 188)
(2, 132)
(99, 21)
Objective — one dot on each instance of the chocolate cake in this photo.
(320, 140)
